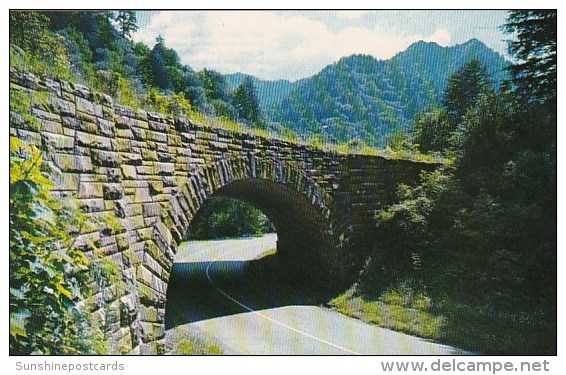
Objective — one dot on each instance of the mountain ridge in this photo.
(361, 97)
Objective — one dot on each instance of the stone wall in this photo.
(151, 172)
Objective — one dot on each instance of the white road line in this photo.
(264, 316)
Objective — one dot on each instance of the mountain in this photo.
(360, 97)
(269, 92)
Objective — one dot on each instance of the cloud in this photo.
(271, 45)
(351, 14)
(440, 36)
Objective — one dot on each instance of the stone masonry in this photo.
(151, 173)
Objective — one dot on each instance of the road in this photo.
(212, 293)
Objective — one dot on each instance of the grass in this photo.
(396, 310)
(182, 342)
(194, 347)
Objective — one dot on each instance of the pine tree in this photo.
(535, 48)
(464, 89)
(246, 101)
(127, 22)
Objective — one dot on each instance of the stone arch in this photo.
(263, 182)
(251, 179)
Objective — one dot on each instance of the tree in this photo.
(246, 101)
(534, 75)
(127, 22)
(225, 217)
(215, 86)
(432, 130)
(464, 88)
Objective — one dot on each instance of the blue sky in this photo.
(296, 44)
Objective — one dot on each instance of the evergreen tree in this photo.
(432, 130)
(246, 101)
(534, 76)
(464, 88)
(127, 22)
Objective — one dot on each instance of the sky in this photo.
(296, 44)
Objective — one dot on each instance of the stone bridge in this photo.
(150, 173)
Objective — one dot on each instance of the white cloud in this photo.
(270, 45)
(441, 37)
(351, 14)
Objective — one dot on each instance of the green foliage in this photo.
(49, 59)
(465, 87)
(224, 217)
(174, 104)
(433, 131)
(404, 230)
(28, 29)
(247, 103)
(399, 140)
(127, 22)
(400, 309)
(192, 347)
(535, 46)
(48, 275)
(442, 130)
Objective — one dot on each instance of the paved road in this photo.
(212, 296)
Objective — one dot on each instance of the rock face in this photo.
(152, 172)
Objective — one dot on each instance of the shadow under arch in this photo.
(307, 255)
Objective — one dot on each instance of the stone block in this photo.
(165, 168)
(66, 181)
(60, 142)
(142, 195)
(73, 163)
(156, 187)
(139, 134)
(129, 172)
(151, 209)
(113, 191)
(166, 157)
(105, 158)
(106, 127)
(123, 241)
(90, 190)
(129, 158)
(44, 115)
(91, 205)
(145, 170)
(50, 126)
(151, 314)
(151, 332)
(63, 107)
(159, 127)
(175, 140)
(156, 137)
(85, 106)
(149, 155)
(124, 133)
(93, 141)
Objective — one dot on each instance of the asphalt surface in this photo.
(212, 293)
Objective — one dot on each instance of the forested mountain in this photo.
(269, 92)
(360, 97)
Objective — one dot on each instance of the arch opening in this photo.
(303, 270)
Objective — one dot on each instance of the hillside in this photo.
(365, 98)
